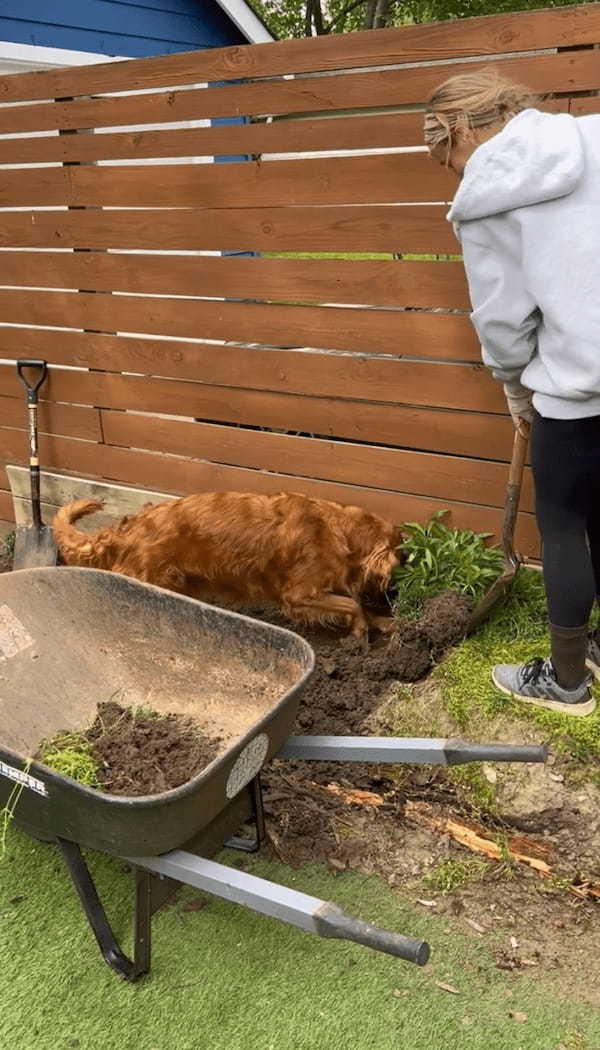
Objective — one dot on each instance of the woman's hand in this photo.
(519, 402)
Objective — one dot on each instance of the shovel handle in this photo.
(513, 491)
(32, 388)
(34, 458)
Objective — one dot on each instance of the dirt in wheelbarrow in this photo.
(139, 752)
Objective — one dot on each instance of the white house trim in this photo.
(247, 22)
(19, 58)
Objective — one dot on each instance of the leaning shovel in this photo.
(34, 545)
(512, 561)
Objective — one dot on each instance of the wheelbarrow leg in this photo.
(128, 969)
(258, 819)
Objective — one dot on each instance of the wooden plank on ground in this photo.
(460, 387)
(527, 31)
(374, 228)
(57, 490)
(436, 335)
(376, 282)
(171, 474)
(383, 179)
(439, 476)
(566, 72)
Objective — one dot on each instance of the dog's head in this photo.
(381, 561)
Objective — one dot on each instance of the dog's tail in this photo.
(75, 547)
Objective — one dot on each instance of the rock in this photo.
(529, 794)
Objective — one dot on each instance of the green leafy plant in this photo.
(438, 558)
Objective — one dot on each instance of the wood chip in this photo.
(400, 993)
(529, 962)
(352, 796)
(447, 988)
(427, 904)
(475, 926)
(514, 942)
(516, 1016)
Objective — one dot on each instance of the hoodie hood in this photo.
(537, 157)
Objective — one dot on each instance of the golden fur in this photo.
(315, 559)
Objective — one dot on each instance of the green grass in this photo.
(517, 631)
(71, 755)
(453, 873)
(226, 979)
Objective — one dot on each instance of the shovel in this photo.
(34, 545)
(512, 561)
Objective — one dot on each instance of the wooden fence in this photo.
(363, 381)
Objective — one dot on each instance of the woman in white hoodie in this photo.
(527, 213)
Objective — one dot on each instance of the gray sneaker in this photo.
(593, 655)
(535, 683)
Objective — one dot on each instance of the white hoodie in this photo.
(527, 213)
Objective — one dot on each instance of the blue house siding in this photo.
(118, 27)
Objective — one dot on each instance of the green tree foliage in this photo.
(297, 18)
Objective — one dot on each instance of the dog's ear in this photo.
(398, 538)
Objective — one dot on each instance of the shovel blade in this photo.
(34, 548)
(497, 592)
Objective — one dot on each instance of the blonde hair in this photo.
(470, 101)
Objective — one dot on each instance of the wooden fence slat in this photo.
(280, 136)
(527, 31)
(284, 136)
(295, 229)
(6, 507)
(380, 282)
(566, 72)
(170, 474)
(581, 107)
(421, 473)
(451, 386)
(383, 179)
(446, 336)
(67, 420)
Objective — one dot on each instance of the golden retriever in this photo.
(315, 559)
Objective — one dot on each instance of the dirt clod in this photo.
(444, 620)
(139, 753)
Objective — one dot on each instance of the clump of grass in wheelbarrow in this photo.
(438, 558)
(71, 755)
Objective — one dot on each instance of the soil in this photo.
(144, 754)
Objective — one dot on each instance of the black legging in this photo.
(565, 457)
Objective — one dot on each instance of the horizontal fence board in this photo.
(466, 387)
(378, 282)
(581, 107)
(67, 420)
(7, 512)
(563, 73)
(295, 135)
(440, 477)
(446, 336)
(285, 136)
(451, 386)
(383, 179)
(170, 474)
(378, 228)
(447, 430)
(527, 31)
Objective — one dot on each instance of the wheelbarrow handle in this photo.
(32, 388)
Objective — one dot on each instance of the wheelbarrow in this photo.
(71, 637)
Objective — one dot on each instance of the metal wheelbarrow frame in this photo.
(168, 838)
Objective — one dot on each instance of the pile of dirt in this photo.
(145, 753)
(349, 685)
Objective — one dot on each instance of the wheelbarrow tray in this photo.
(71, 637)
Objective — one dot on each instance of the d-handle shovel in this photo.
(512, 561)
(34, 545)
